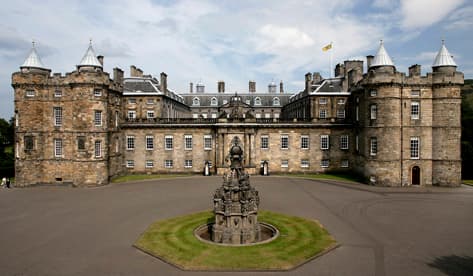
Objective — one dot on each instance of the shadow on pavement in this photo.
(454, 265)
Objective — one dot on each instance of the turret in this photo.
(33, 63)
(89, 62)
(444, 61)
(382, 61)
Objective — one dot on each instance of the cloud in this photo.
(461, 19)
(274, 37)
(423, 13)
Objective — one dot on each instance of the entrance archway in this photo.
(415, 175)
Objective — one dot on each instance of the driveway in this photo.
(382, 231)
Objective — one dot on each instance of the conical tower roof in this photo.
(382, 57)
(90, 58)
(33, 60)
(443, 57)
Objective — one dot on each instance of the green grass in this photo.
(173, 240)
(468, 182)
(340, 177)
(137, 177)
(9, 149)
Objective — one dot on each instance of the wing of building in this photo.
(86, 127)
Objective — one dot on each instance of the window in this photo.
(150, 101)
(248, 102)
(30, 93)
(357, 113)
(130, 142)
(276, 101)
(225, 101)
(57, 116)
(130, 163)
(324, 142)
(304, 142)
(415, 110)
(168, 164)
(322, 113)
(284, 142)
(357, 143)
(207, 142)
(81, 143)
(344, 142)
(188, 142)
(97, 92)
(284, 163)
(373, 93)
(188, 163)
(98, 149)
(195, 101)
(341, 113)
(150, 114)
(131, 114)
(324, 163)
(373, 146)
(57, 93)
(304, 163)
(265, 142)
(323, 101)
(344, 163)
(132, 101)
(57, 147)
(341, 101)
(29, 142)
(257, 101)
(98, 118)
(209, 162)
(168, 142)
(214, 101)
(117, 117)
(373, 111)
(149, 164)
(149, 142)
(415, 93)
(414, 147)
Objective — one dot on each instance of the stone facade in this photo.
(85, 127)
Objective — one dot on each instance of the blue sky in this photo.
(234, 41)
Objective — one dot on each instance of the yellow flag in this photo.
(326, 48)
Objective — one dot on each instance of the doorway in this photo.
(415, 175)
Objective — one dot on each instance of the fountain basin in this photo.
(267, 234)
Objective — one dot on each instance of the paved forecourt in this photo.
(382, 231)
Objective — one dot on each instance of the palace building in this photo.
(86, 126)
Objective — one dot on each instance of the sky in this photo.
(234, 41)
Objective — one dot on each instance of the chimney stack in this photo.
(340, 70)
(369, 61)
(191, 87)
(308, 82)
(221, 86)
(414, 70)
(316, 77)
(252, 86)
(281, 87)
(163, 85)
(135, 72)
(118, 75)
(100, 58)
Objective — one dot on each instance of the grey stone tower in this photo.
(236, 204)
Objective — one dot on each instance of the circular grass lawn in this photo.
(173, 241)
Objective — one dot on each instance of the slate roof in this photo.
(265, 98)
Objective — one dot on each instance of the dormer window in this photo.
(214, 101)
(257, 101)
(196, 101)
(276, 101)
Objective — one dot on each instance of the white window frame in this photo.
(322, 113)
(188, 142)
(214, 101)
(130, 163)
(285, 163)
(149, 142)
(341, 113)
(341, 101)
(373, 146)
(207, 142)
(130, 142)
(98, 117)
(305, 163)
(415, 110)
(58, 148)
(284, 142)
(58, 93)
(168, 142)
(30, 93)
(415, 93)
(276, 101)
(97, 92)
(131, 114)
(257, 101)
(150, 101)
(415, 147)
(323, 101)
(324, 163)
(188, 163)
(57, 113)
(264, 142)
(117, 117)
(373, 111)
(98, 149)
(168, 163)
(345, 163)
(132, 101)
(196, 101)
(149, 164)
(344, 142)
(324, 142)
(373, 92)
(305, 142)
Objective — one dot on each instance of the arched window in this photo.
(214, 101)
(196, 101)
(276, 101)
(257, 101)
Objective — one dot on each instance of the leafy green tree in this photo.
(467, 130)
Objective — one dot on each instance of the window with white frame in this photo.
(149, 164)
(57, 93)
(58, 148)
(97, 117)
(168, 164)
(30, 93)
(373, 93)
(304, 163)
(150, 101)
(323, 113)
(284, 163)
(150, 114)
(130, 163)
(284, 142)
(257, 101)
(341, 101)
(265, 142)
(373, 111)
(414, 148)
(323, 101)
(168, 145)
(373, 146)
(248, 102)
(341, 113)
(415, 110)
(345, 163)
(97, 92)
(276, 101)
(304, 141)
(258, 115)
(132, 101)
(130, 142)
(324, 142)
(344, 142)
(117, 118)
(149, 142)
(57, 112)
(196, 101)
(324, 163)
(415, 93)
(213, 101)
(131, 114)
(98, 149)
(188, 142)
(188, 163)
(207, 142)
